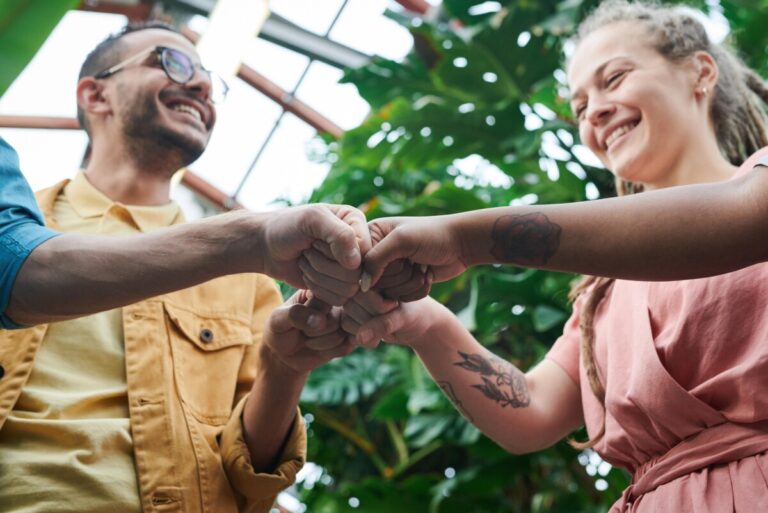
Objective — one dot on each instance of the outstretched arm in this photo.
(521, 412)
(72, 275)
(678, 233)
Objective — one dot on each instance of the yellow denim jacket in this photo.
(190, 360)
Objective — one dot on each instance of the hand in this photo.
(333, 284)
(329, 281)
(301, 334)
(405, 281)
(371, 318)
(361, 309)
(292, 231)
(430, 241)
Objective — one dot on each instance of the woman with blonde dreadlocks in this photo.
(668, 376)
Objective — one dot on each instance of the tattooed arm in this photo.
(521, 412)
(675, 233)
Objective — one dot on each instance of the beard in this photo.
(154, 143)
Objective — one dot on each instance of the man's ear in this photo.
(91, 98)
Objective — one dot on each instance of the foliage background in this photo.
(385, 436)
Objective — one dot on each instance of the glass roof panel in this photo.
(64, 150)
(363, 27)
(47, 85)
(284, 171)
(338, 102)
(243, 122)
(313, 15)
(281, 65)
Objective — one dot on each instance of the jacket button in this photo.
(206, 335)
(2, 371)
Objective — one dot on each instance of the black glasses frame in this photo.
(219, 87)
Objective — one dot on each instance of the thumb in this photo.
(378, 258)
(293, 313)
(382, 326)
(306, 318)
(339, 235)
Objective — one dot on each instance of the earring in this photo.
(702, 90)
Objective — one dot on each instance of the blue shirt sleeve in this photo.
(21, 225)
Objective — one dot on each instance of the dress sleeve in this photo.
(565, 352)
(21, 226)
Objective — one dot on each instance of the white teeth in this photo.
(180, 107)
(618, 133)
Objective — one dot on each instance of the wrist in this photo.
(246, 240)
(427, 324)
(277, 371)
(465, 239)
(439, 336)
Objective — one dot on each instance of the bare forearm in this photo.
(677, 233)
(493, 394)
(72, 275)
(270, 412)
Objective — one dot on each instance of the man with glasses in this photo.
(185, 401)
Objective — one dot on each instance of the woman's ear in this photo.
(705, 71)
(91, 98)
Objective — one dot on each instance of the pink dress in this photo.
(685, 366)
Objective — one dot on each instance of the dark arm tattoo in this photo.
(530, 239)
(503, 383)
(447, 389)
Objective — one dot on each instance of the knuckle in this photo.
(351, 289)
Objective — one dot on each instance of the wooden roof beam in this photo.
(139, 10)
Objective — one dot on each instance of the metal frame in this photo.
(282, 32)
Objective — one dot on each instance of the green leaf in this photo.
(346, 380)
(424, 400)
(24, 27)
(393, 405)
(425, 428)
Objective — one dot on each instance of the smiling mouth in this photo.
(182, 107)
(619, 132)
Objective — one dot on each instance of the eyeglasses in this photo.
(178, 66)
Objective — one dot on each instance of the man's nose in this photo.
(200, 84)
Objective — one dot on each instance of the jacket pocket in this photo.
(207, 353)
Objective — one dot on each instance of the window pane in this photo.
(243, 122)
(56, 65)
(284, 170)
(338, 102)
(281, 65)
(313, 15)
(363, 27)
(64, 150)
